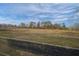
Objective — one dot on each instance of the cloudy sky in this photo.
(56, 13)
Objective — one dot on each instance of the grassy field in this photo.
(66, 38)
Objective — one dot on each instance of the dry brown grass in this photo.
(57, 37)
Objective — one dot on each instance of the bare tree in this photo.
(63, 26)
(46, 24)
(57, 26)
(22, 25)
(32, 25)
(38, 25)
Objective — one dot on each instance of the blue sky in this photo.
(54, 12)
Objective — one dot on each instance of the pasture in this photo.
(67, 38)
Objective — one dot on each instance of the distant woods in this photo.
(40, 25)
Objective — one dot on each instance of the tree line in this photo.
(41, 25)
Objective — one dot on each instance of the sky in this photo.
(11, 13)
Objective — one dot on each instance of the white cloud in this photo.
(7, 20)
(59, 12)
(61, 19)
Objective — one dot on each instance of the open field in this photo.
(66, 38)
